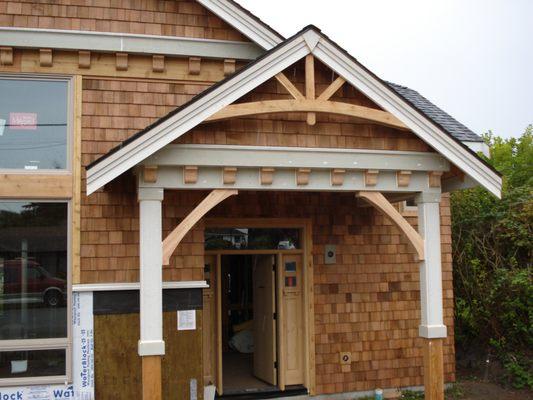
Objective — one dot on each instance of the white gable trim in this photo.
(382, 95)
(243, 82)
(243, 22)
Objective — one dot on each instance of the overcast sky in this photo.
(472, 58)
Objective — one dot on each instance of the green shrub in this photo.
(411, 395)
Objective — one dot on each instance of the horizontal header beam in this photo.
(128, 43)
(295, 157)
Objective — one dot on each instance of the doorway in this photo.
(258, 308)
(248, 305)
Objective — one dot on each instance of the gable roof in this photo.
(308, 41)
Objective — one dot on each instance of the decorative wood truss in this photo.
(308, 103)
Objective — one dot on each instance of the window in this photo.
(252, 238)
(34, 299)
(34, 124)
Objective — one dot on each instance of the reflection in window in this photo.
(252, 238)
(33, 270)
(33, 124)
(19, 364)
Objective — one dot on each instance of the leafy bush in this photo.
(411, 395)
(492, 254)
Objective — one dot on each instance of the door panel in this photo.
(292, 324)
(264, 323)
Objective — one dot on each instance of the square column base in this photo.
(151, 348)
(432, 331)
(433, 369)
(151, 378)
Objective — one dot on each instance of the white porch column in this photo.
(432, 327)
(151, 275)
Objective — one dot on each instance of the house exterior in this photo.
(131, 131)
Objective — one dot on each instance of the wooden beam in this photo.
(6, 55)
(150, 173)
(284, 106)
(433, 369)
(310, 85)
(267, 176)
(229, 175)
(174, 238)
(158, 63)
(371, 177)
(190, 174)
(229, 67)
(76, 180)
(84, 59)
(151, 378)
(195, 65)
(289, 86)
(121, 61)
(332, 89)
(382, 204)
(403, 178)
(45, 57)
(45, 186)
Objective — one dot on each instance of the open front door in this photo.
(264, 319)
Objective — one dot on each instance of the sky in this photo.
(472, 58)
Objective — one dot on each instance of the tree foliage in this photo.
(493, 252)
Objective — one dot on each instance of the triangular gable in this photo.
(308, 41)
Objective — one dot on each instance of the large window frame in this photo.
(47, 343)
(70, 122)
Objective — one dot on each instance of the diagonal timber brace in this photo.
(176, 236)
(382, 204)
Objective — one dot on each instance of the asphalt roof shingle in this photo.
(450, 124)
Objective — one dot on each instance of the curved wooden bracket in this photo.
(382, 204)
(306, 105)
(176, 236)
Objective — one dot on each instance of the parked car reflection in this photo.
(27, 282)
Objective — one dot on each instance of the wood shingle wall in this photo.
(152, 17)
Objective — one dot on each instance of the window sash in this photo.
(47, 343)
(70, 121)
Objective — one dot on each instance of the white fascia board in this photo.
(107, 287)
(243, 22)
(169, 130)
(128, 43)
(361, 79)
(478, 147)
(296, 157)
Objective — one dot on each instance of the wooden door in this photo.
(292, 319)
(264, 319)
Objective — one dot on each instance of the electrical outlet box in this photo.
(345, 358)
(330, 254)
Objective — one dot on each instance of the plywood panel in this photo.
(118, 366)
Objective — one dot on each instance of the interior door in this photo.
(264, 319)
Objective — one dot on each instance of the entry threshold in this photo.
(274, 393)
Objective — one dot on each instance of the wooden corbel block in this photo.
(403, 178)
(190, 174)
(122, 61)
(229, 67)
(229, 175)
(158, 63)
(6, 55)
(195, 64)
(302, 176)
(337, 177)
(84, 59)
(434, 178)
(150, 173)
(267, 176)
(45, 57)
(371, 177)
